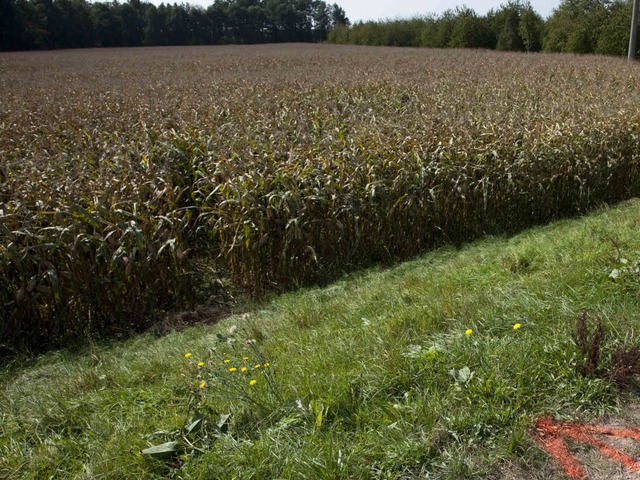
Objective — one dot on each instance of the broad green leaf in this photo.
(163, 451)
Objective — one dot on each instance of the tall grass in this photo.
(281, 166)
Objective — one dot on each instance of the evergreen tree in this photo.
(530, 28)
(37, 24)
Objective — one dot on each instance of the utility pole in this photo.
(634, 31)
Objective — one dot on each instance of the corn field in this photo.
(124, 171)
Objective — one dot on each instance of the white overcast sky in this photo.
(382, 9)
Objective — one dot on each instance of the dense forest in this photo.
(576, 26)
(46, 24)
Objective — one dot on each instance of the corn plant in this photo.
(280, 166)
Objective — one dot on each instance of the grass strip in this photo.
(435, 368)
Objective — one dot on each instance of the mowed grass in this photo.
(375, 376)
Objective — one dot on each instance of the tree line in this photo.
(576, 26)
(48, 24)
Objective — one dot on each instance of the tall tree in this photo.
(531, 28)
(133, 22)
(469, 30)
(505, 23)
(156, 30)
(244, 20)
(321, 20)
(437, 32)
(200, 26)
(338, 16)
(33, 24)
(178, 28)
(575, 26)
(613, 37)
(13, 25)
(108, 25)
(217, 13)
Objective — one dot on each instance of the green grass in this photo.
(371, 377)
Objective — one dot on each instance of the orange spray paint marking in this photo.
(551, 436)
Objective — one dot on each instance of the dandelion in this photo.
(266, 364)
(245, 358)
(201, 364)
(516, 326)
(203, 384)
(257, 365)
(253, 382)
(243, 369)
(468, 331)
(226, 360)
(233, 369)
(187, 355)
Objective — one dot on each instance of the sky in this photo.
(380, 9)
(383, 9)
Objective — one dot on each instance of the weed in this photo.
(589, 342)
(624, 364)
(620, 367)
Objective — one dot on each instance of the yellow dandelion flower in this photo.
(243, 369)
(203, 384)
(187, 355)
(201, 364)
(253, 382)
(245, 358)
(257, 365)
(233, 369)
(226, 360)
(266, 364)
(468, 331)
(517, 326)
